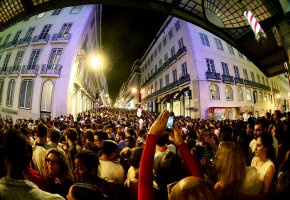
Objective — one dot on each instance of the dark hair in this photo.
(89, 135)
(263, 121)
(86, 191)
(121, 134)
(267, 141)
(41, 130)
(163, 140)
(54, 135)
(72, 134)
(89, 158)
(109, 147)
(135, 157)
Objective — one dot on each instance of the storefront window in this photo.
(240, 94)
(229, 93)
(214, 92)
(249, 96)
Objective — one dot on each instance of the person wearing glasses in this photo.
(58, 172)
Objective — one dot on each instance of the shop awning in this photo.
(168, 97)
(181, 93)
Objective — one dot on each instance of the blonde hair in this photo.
(230, 167)
(192, 188)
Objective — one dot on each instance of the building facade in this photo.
(194, 73)
(43, 66)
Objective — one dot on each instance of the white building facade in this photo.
(194, 73)
(43, 67)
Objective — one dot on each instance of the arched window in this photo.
(248, 95)
(240, 94)
(229, 93)
(46, 96)
(255, 96)
(265, 96)
(9, 99)
(214, 92)
(25, 94)
(260, 96)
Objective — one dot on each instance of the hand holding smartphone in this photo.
(170, 122)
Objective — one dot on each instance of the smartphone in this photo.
(170, 122)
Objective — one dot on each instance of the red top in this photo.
(34, 176)
(145, 187)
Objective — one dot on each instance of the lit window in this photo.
(240, 94)
(229, 93)
(25, 94)
(75, 10)
(9, 99)
(214, 92)
(248, 95)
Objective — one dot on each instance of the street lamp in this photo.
(134, 90)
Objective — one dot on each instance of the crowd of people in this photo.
(113, 153)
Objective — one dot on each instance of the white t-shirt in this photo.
(112, 171)
(38, 158)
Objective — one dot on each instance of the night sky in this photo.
(126, 35)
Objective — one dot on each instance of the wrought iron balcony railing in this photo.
(14, 70)
(227, 78)
(50, 69)
(24, 41)
(213, 75)
(30, 69)
(41, 38)
(181, 51)
(239, 80)
(3, 71)
(60, 37)
(184, 79)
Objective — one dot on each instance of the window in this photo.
(263, 80)
(44, 33)
(9, 99)
(25, 94)
(260, 96)
(65, 29)
(75, 10)
(40, 15)
(225, 68)
(160, 83)
(241, 55)
(258, 78)
(85, 44)
(253, 76)
(204, 39)
(210, 65)
(164, 41)
(237, 72)
(214, 92)
(6, 61)
(33, 59)
(56, 11)
(17, 34)
(159, 47)
(151, 72)
(155, 68)
(6, 39)
(255, 96)
(155, 53)
(155, 86)
(218, 44)
(172, 50)
(180, 43)
(248, 95)
(267, 83)
(166, 57)
(174, 75)
(231, 49)
(170, 33)
(265, 96)
(29, 33)
(151, 57)
(240, 94)
(1, 90)
(177, 25)
(18, 59)
(167, 79)
(245, 74)
(54, 58)
(46, 96)
(184, 69)
(160, 63)
(229, 93)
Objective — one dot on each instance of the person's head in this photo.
(110, 149)
(264, 147)
(71, 134)
(206, 135)
(56, 164)
(230, 165)
(41, 131)
(250, 128)
(277, 115)
(260, 126)
(163, 140)
(191, 188)
(135, 157)
(54, 135)
(17, 151)
(80, 191)
(130, 141)
(99, 137)
(86, 165)
(120, 136)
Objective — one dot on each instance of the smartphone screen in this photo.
(170, 122)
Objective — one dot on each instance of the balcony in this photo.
(3, 71)
(29, 70)
(184, 79)
(40, 39)
(275, 90)
(14, 71)
(3, 46)
(181, 51)
(50, 70)
(11, 44)
(249, 83)
(239, 80)
(213, 76)
(60, 38)
(172, 59)
(24, 41)
(227, 78)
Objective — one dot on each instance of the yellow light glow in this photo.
(134, 90)
(278, 96)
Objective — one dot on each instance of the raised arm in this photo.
(145, 186)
